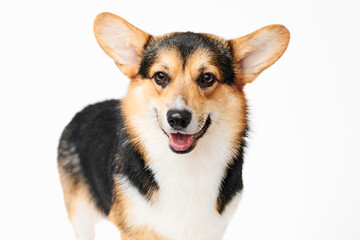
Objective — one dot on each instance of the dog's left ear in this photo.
(122, 41)
(257, 51)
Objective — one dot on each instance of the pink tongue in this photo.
(181, 142)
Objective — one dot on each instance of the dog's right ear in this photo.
(122, 41)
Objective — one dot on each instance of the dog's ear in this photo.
(257, 51)
(122, 41)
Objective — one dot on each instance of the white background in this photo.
(302, 169)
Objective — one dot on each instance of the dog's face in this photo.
(189, 83)
(188, 78)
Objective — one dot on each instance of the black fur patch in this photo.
(132, 165)
(232, 182)
(186, 43)
(98, 134)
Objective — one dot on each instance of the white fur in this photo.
(179, 104)
(185, 207)
(84, 219)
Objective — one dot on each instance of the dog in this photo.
(165, 162)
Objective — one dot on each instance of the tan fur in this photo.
(76, 193)
(133, 107)
(72, 190)
(119, 216)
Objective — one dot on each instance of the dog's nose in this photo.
(178, 119)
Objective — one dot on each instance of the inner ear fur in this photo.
(122, 41)
(257, 51)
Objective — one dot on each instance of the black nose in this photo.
(178, 119)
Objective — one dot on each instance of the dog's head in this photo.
(188, 84)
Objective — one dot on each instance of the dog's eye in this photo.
(161, 79)
(206, 80)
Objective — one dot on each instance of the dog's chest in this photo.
(185, 204)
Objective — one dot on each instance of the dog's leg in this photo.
(82, 211)
(118, 216)
(83, 219)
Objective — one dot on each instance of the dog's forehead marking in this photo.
(178, 103)
(171, 61)
(184, 45)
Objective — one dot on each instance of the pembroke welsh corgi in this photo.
(165, 162)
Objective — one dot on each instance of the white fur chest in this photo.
(185, 206)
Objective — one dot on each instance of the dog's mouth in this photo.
(184, 143)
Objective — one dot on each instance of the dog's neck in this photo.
(213, 169)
